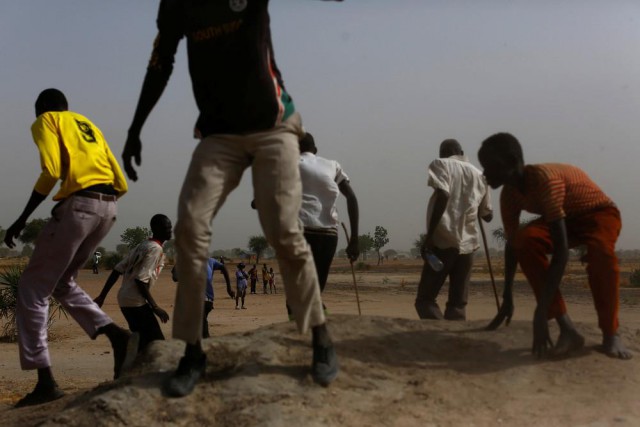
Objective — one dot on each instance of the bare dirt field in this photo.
(395, 369)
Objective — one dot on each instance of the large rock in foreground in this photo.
(394, 372)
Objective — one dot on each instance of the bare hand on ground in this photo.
(541, 339)
(504, 315)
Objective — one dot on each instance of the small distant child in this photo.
(272, 281)
(141, 268)
(253, 275)
(96, 261)
(241, 285)
(265, 277)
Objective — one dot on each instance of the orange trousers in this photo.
(598, 231)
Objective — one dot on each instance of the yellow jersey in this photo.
(73, 149)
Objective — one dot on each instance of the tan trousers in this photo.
(64, 245)
(215, 170)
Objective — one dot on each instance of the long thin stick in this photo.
(353, 273)
(486, 251)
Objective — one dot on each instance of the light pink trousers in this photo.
(216, 167)
(64, 245)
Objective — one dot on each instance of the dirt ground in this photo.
(396, 370)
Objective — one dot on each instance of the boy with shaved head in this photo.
(573, 211)
(73, 151)
(141, 269)
(460, 196)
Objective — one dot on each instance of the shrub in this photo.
(634, 278)
(9, 278)
(111, 259)
(362, 266)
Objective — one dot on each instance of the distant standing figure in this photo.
(253, 276)
(460, 197)
(141, 269)
(241, 285)
(272, 282)
(96, 261)
(265, 277)
(72, 150)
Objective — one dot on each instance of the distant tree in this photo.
(390, 253)
(132, 237)
(258, 244)
(122, 249)
(2, 234)
(417, 245)
(32, 229)
(499, 236)
(169, 249)
(218, 253)
(380, 239)
(365, 243)
(111, 259)
(237, 252)
(101, 249)
(342, 253)
(27, 250)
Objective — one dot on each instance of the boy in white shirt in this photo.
(141, 268)
(460, 196)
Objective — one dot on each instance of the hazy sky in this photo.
(380, 84)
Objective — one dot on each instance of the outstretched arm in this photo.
(439, 206)
(225, 274)
(111, 280)
(14, 230)
(144, 290)
(353, 250)
(506, 309)
(559, 258)
(158, 72)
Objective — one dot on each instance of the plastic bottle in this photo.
(434, 262)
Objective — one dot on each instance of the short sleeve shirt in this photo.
(468, 194)
(552, 190)
(212, 265)
(320, 180)
(144, 263)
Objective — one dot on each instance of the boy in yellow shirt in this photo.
(73, 150)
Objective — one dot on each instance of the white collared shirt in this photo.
(320, 179)
(468, 193)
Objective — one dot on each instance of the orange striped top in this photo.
(552, 190)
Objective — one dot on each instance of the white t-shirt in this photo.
(320, 179)
(468, 193)
(144, 263)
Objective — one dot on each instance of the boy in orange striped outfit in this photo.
(573, 211)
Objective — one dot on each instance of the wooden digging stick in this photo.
(353, 273)
(486, 251)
